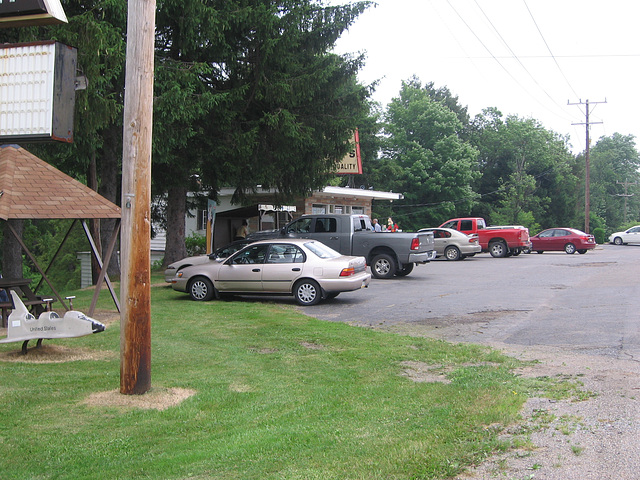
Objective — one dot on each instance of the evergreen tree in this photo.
(249, 94)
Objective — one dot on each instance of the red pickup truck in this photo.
(498, 241)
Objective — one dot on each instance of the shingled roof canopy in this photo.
(32, 189)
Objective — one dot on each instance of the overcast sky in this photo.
(525, 57)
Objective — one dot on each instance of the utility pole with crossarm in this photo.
(587, 167)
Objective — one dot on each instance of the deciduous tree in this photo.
(615, 161)
(425, 158)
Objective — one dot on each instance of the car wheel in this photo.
(307, 292)
(201, 289)
(570, 248)
(406, 269)
(582, 252)
(539, 251)
(383, 266)
(498, 249)
(516, 252)
(617, 241)
(452, 253)
(526, 250)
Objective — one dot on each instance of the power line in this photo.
(494, 57)
(549, 49)
(630, 55)
(514, 54)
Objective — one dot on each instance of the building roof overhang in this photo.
(341, 191)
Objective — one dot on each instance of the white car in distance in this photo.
(632, 235)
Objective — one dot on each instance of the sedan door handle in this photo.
(255, 270)
(296, 269)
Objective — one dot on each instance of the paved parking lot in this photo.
(587, 303)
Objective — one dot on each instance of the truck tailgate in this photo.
(426, 241)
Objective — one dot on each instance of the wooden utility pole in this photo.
(135, 251)
(587, 173)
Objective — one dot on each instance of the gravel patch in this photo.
(596, 438)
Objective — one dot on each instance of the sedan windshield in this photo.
(321, 250)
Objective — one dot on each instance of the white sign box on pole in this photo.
(37, 92)
(27, 13)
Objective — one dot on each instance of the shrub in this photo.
(600, 235)
(196, 244)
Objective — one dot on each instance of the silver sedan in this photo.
(452, 244)
(222, 252)
(306, 269)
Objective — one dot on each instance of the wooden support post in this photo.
(135, 288)
(102, 274)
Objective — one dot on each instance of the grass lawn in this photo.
(278, 395)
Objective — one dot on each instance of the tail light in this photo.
(415, 244)
(347, 272)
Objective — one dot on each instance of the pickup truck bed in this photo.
(498, 241)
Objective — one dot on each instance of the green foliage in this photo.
(425, 158)
(196, 244)
(44, 239)
(251, 94)
(526, 219)
(600, 235)
(614, 162)
(526, 169)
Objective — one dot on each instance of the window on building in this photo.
(201, 220)
(357, 210)
(318, 209)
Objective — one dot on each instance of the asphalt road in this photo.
(586, 303)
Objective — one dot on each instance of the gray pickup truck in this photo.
(387, 253)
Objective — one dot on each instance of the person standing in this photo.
(391, 227)
(243, 231)
(375, 225)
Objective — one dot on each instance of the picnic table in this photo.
(36, 303)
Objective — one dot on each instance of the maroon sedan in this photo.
(559, 239)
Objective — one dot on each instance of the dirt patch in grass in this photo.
(423, 372)
(50, 353)
(154, 399)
